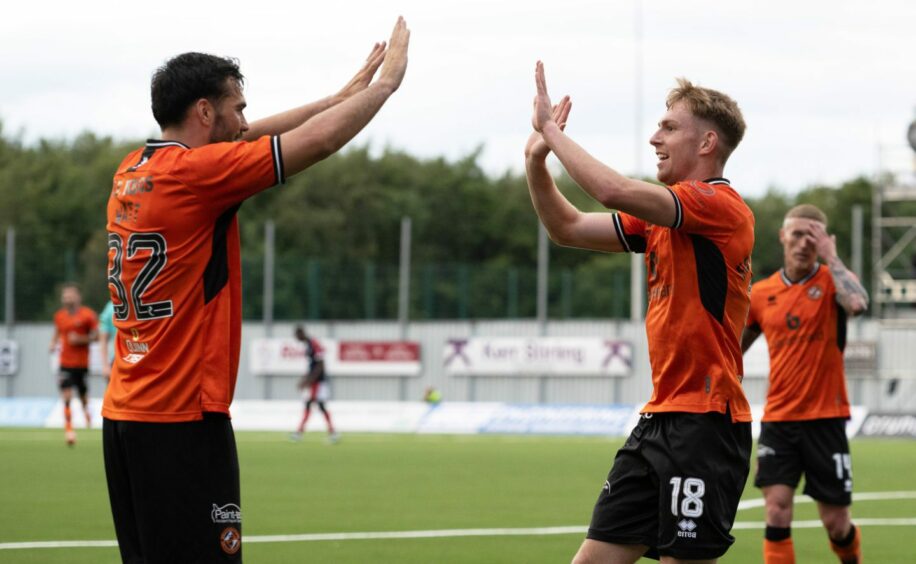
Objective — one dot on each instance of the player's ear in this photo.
(709, 142)
(204, 111)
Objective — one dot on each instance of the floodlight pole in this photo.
(10, 281)
(268, 313)
(636, 263)
(404, 277)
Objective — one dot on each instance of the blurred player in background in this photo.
(107, 336)
(802, 311)
(674, 487)
(175, 279)
(75, 326)
(314, 385)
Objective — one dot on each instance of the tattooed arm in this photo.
(850, 293)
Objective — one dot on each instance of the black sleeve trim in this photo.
(678, 210)
(278, 159)
(620, 234)
(631, 243)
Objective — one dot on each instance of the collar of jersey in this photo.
(159, 143)
(809, 276)
(717, 180)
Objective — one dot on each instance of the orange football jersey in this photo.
(699, 272)
(175, 276)
(805, 329)
(83, 322)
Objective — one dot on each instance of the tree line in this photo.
(474, 235)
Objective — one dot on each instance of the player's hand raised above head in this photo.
(396, 57)
(361, 80)
(543, 109)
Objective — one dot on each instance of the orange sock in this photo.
(68, 424)
(849, 551)
(778, 552)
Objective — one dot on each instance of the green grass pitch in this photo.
(376, 483)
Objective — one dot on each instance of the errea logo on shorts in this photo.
(229, 513)
(687, 528)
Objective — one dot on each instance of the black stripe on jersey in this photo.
(278, 159)
(717, 180)
(678, 210)
(147, 153)
(216, 275)
(840, 327)
(151, 146)
(631, 243)
(712, 276)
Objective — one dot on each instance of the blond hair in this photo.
(807, 211)
(713, 106)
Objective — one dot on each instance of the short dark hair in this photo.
(186, 78)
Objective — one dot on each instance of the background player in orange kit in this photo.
(75, 326)
(174, 276)
(674, 488)
(802, 311)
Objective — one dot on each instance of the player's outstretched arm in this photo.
(291, 119)
(565, 224)
(644, 200)
(327, 132)
(850, 293)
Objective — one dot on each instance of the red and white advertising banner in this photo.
(555, 356)
(286, 357)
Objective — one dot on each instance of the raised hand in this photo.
(542, 107)
(537, 148)
(824, 243)
(361, 79)
(396, 58)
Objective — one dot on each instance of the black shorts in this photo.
(818, 447)
(73, 378)
(174, 490)
(675, 485)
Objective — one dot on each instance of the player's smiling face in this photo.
(677, 144)
(797, 245)
(230, 123)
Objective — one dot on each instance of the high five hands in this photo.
(544, 113)
(394, 58)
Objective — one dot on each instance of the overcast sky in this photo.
(825, 86)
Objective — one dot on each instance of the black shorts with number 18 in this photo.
(675, 486)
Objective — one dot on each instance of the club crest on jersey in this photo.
(815, 292)
(703, 189)
(230, 540)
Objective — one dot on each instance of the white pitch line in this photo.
(816, 524)
(864, 496)
(443, 533)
